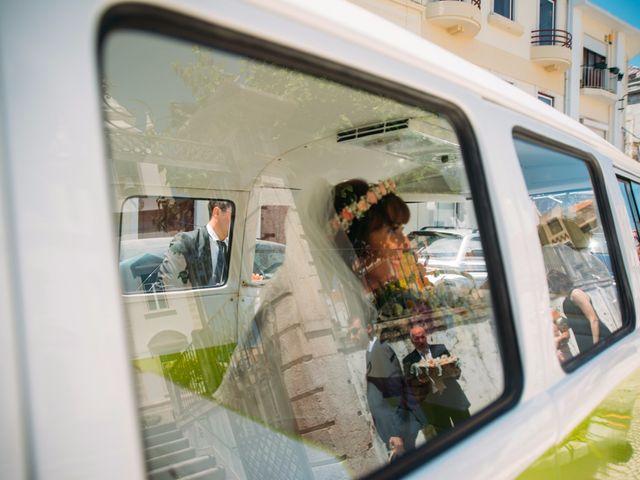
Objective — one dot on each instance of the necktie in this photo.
(219, 272)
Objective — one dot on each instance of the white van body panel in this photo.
(75, 369)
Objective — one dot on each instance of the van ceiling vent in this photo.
(373, 129)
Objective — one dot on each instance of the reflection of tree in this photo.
(202, 76)
(173, 215)
(208, 72)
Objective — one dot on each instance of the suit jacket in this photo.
(187, 263)
(453, 396)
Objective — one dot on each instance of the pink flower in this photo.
(372, 198)
(362, 205)
(346, 214)
(392, 184)
(382, 189)
(335, 224)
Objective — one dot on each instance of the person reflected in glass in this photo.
(432, 375)
(578, 309)
(368, 228)
(385, 385)
(561, 335)
(199, 258)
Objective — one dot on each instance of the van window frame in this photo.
(620, 275)
(177, 25)
(631, 197)
(179, 197)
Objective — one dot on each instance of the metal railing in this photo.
(593, 77)
(551, 36)
(187, 380)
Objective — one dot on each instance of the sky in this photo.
(627, 10)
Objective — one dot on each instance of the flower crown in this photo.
(357, 209)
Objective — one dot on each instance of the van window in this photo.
(333, 342)
(631, 194)
(169, 243)
(585, 307)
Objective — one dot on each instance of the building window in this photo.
(504, 8)
(547, 18)
(548, 99)
(157, 301)
(594, 70)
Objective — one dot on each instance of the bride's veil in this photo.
(332, 254)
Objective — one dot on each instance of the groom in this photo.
(200, 258)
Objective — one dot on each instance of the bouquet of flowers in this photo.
(436, 370)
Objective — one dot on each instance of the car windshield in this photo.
(445, 247)
(268, 257)
(424, 238)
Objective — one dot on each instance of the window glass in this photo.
(504, 8)
(169, 243)
(548, 99)
(584, 299)
(271, 235)
(334, 341)
(635, 190)
(547, 18)
(627, 189)
(594, 70)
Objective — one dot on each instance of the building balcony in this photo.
(598, 83)
(551, 49)
(456, 17)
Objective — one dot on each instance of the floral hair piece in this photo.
(359, 207)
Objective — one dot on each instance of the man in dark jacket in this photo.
(199, 258)
(443, 408)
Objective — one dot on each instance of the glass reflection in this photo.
(302, 362)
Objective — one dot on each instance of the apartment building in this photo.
(570, 54)
(631, 132)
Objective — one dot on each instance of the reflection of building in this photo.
(569, 54)
(585, 215)
(272, 218)
(560, 226)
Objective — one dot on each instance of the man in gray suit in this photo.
(199, 258)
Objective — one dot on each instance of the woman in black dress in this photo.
(578, 308)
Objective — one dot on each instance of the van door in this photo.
(305, 364)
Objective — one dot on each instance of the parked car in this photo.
(268, 258)
(450, 253)
(140, 261)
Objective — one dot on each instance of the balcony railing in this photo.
(601, 78)
(554, 37)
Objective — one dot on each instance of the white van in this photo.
(206, 273)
